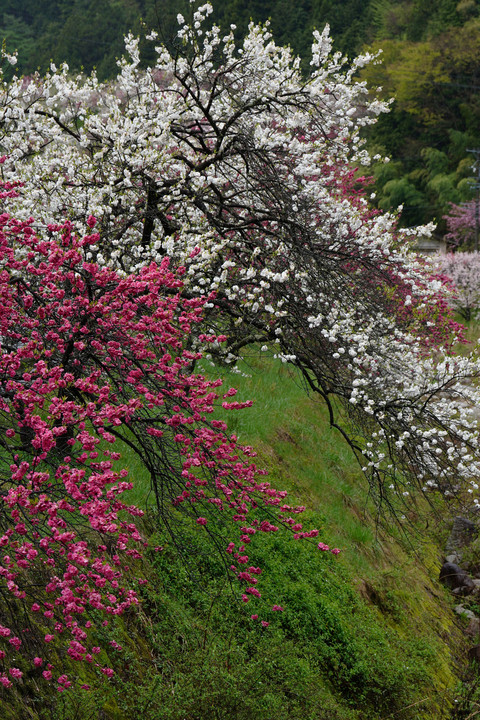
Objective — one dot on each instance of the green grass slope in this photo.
(366, 635)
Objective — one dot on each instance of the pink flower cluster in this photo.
(88, 358)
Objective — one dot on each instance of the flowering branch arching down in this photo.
(92, 362)
(230, 161)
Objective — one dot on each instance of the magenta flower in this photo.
(5, 681)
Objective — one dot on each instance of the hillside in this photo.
(175, 548)
(86, 33)
(365, 635)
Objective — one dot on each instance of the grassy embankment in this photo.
(366, 635)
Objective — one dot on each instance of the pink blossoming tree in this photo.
(93, 361)
(461, 224)
(463, 270)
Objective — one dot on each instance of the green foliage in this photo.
(403, 192)
(435, 116)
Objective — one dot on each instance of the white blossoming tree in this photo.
(240, 168)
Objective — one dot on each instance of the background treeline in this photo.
(431, 64)
(90, 33)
